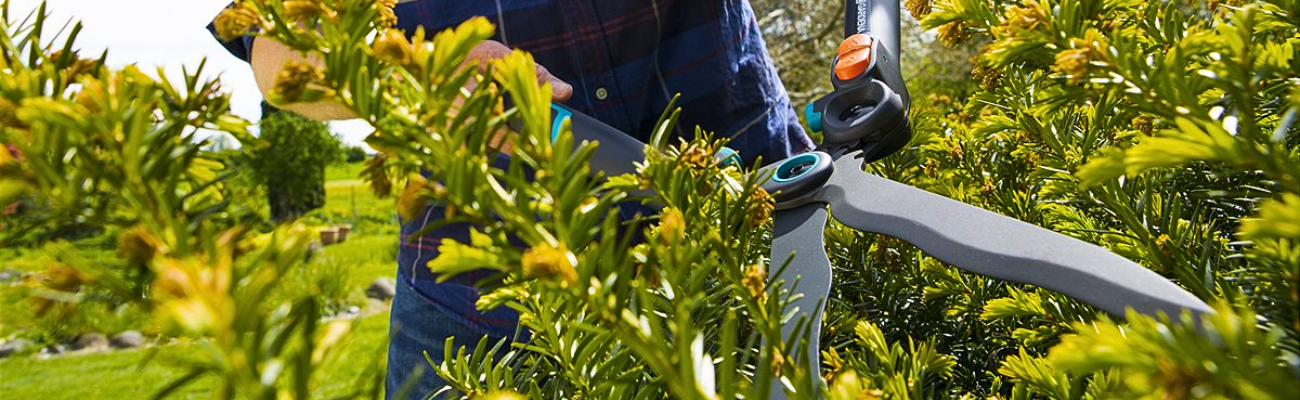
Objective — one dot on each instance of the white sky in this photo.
(166, 33)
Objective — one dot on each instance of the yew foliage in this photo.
(1162, 130)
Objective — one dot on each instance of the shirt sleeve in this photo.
(241, 47)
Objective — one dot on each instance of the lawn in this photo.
(121, 375)
(344, 172)
(350, 201)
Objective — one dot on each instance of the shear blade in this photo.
(797, 244)
(989, 244)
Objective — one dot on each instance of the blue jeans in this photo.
(418, 327)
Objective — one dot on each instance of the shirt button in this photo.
(601, 94)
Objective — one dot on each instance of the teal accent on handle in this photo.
(560, 115)
(785, 173)
(728, 157)
(814, 118)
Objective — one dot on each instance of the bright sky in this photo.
(166, 33)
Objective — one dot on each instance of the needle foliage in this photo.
(1162, 130)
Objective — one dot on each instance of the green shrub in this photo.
(291, 166)
(355, 154)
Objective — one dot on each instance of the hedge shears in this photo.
(864, 119)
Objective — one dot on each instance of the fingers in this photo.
(561, 91)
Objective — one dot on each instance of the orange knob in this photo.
(856, 42)
(855, 56)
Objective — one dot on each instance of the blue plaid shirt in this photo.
(625, 59)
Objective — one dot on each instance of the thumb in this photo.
(561, 91)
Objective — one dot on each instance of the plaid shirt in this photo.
(625, 59)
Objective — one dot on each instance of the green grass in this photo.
(37, 259)
(344, 172)
(349, 200)
(341, 275)
(121, 375)
(367, 256)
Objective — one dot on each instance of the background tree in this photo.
(292, 165)
(802, 37)
(355, 154)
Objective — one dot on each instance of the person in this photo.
(620, 61)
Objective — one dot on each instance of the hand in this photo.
(561, 91)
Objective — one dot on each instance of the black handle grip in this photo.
(878, 18)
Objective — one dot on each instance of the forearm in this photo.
(268, 58)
